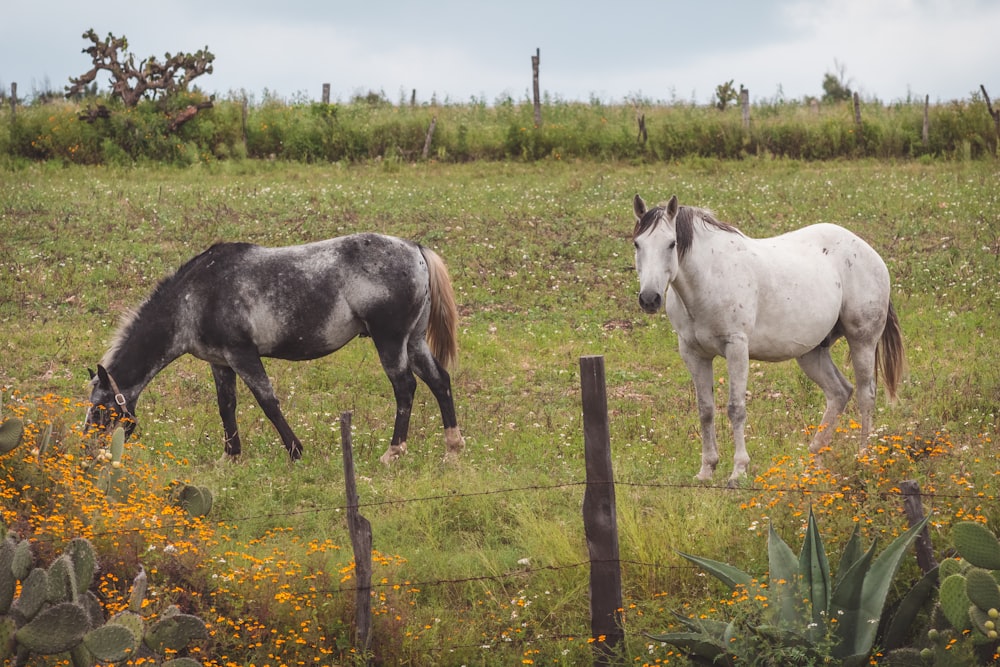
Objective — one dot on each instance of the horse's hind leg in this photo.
(437, 379)
(863, 360)
(225, 388)
(396, 364)
(819, 366)
(249, 367)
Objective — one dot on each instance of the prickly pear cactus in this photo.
(11, 434)
(963, 626)
(196, 500)
(52, 611)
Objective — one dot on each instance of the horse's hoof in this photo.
(733, 483)
(393, 453)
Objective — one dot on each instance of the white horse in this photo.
(773, 299)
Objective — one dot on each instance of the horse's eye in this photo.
(636, 244)
(673, 244)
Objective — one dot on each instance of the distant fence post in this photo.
(925, 135)
(995, 113)
(600, 518)
(429, 137)
(914, 515)
(745, 104)
(535, 61)
(326, 93)
(243, 121)
(13, 102)
(361, 541)
(857, 109)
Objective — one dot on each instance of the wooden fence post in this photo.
(535, 61)
(857, 110)
(361, 541)
(243, 121)
(914, 515)
(600, 519)
(326, 93)
(745, 104)
(995, 113)
(925, 135)
(429, 137)
(13, 102)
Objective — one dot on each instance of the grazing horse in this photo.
(237, 302)
(787, 297)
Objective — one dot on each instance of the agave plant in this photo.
(809, 614)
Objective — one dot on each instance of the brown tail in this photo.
(889, 354)
(442, 330)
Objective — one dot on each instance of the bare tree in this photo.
(131, 83)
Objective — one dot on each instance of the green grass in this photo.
(540, 255)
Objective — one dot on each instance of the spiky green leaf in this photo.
(727, 574)
(814, 568)
(783, 581)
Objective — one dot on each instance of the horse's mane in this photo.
(132, 315)
(684, 224)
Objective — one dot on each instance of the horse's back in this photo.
(303, 301)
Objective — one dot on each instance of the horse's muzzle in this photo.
(650, 302)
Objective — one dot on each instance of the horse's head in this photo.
(655, 239)
(108, 405)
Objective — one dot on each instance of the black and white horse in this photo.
(237, 302)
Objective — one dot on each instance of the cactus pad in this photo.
(23, 560)
(977, 544)
(982, 589)
(955, 602)
(34, 593)
(11, 434)
(55, 630)
(197, 500)
(84, 558)
(111, 642)
(173, 633)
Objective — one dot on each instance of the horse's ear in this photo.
(102, 376)
(672, 207)
(91, 373)
(638, 207)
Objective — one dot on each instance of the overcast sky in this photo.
(460, 49)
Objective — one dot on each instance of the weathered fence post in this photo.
(745, 104)
(925, 135)
(995, 113)
(326, 93)
(914, 515)
(600, 519)
(643, 136)
(535, 61)
(361, 541)
(13, 102)
(857, 110)
(243, 121)
(430, 135)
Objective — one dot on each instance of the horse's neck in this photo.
(145, 349)
(709, 257)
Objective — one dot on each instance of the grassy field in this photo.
(481, 562)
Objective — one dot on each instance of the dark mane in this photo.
(686, 216)
(131, 316)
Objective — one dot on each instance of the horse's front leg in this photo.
(738, 369)
(701, 374)
(250, 369)
(225, 388)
